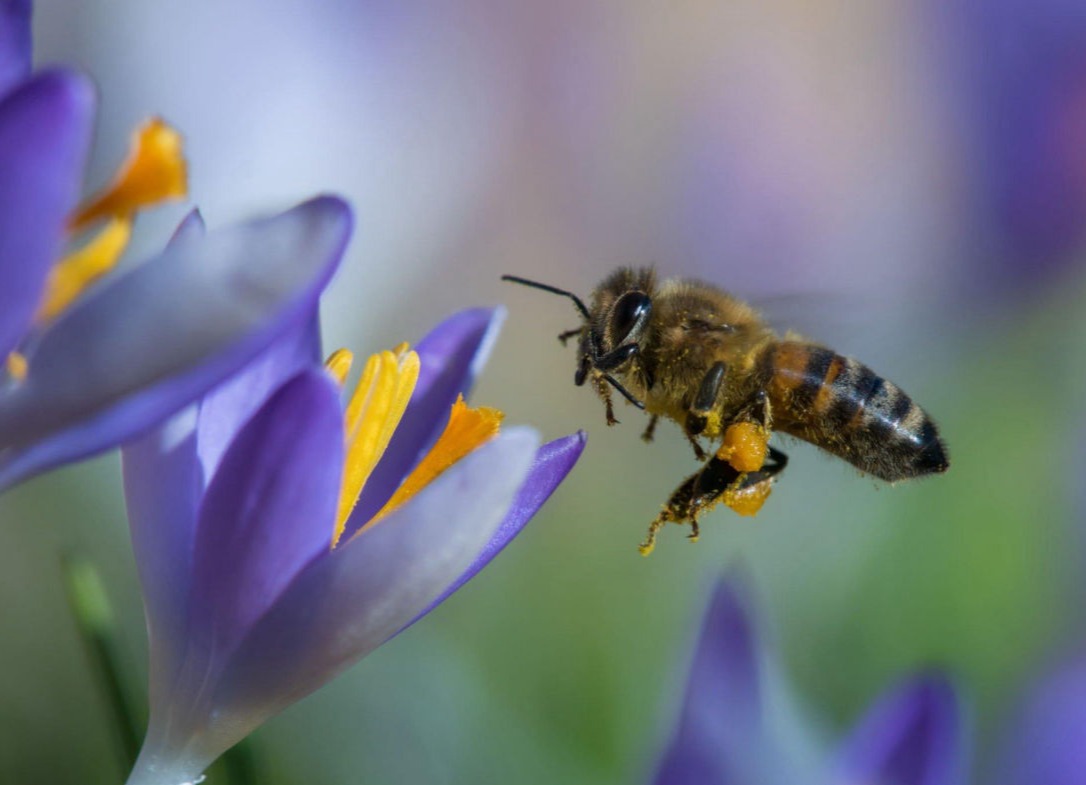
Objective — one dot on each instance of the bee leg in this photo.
(649, 544)
(604, 391)
(774, 465)
(695, 532)
(650, 429)
(564, 337)
(699, 453)
(697, 418)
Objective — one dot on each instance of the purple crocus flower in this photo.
(1048, 742)
(738, 725)
(1023, 70)
(261, 582)
(81, 372)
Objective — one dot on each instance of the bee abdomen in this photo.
(842, 406)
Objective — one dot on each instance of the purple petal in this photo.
(451, 356)
(1048, 744)
(552, 463)
(163, 488)
(191, 229)
(158, 338)
(226, 409)
(268, 511)
(14, 43)
(45, 128)
(352, 599)
(911, 736)
(1025, 80)
(721, 716)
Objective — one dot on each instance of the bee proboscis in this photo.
(693, 353)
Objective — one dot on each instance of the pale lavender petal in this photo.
(191, 229)
(158, 338)
(163, 487)
(1048, 744)
(226, 409)
(451, 356)
(351, 600)
(720, 723)
(269, 509)
(45, 131)
(552, 463)
(14, 43)
(913, 735)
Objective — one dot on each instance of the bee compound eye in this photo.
(629, 314)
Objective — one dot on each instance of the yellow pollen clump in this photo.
(745, 446)
(748, 501)
(154, 172)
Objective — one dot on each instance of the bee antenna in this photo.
(625, 393)
(553, 290)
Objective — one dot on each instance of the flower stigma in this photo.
(154, 172)
(371, 417)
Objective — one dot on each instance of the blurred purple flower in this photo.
(1024, 70)
(735, 729)
(1048, 743)
(86, 374)
(252, 600)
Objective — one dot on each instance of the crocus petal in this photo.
(191, 229)
(1048, 744)
(225, 409)
(349, 601)
(268, 510)
(163, 486)
(719, 728)
(45, 128)
(911, 736)
(552, 463)
(14, 43)
(450, 357)
(156, 339)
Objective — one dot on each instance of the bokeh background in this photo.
(904, 181)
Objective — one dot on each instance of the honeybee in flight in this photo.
(693, 353)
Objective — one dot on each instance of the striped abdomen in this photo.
(844, 407)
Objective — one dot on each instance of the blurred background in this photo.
(903, 181)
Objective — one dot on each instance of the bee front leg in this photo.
(604, 391)
(564, 337)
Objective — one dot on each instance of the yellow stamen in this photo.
(154, 171)
(467, 429)
(17, 366)
(75, 272)
(339, 364)
(371, 418)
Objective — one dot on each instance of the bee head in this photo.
(611, 328)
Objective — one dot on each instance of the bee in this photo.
(693, 353)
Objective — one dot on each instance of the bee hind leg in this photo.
(774, 465)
